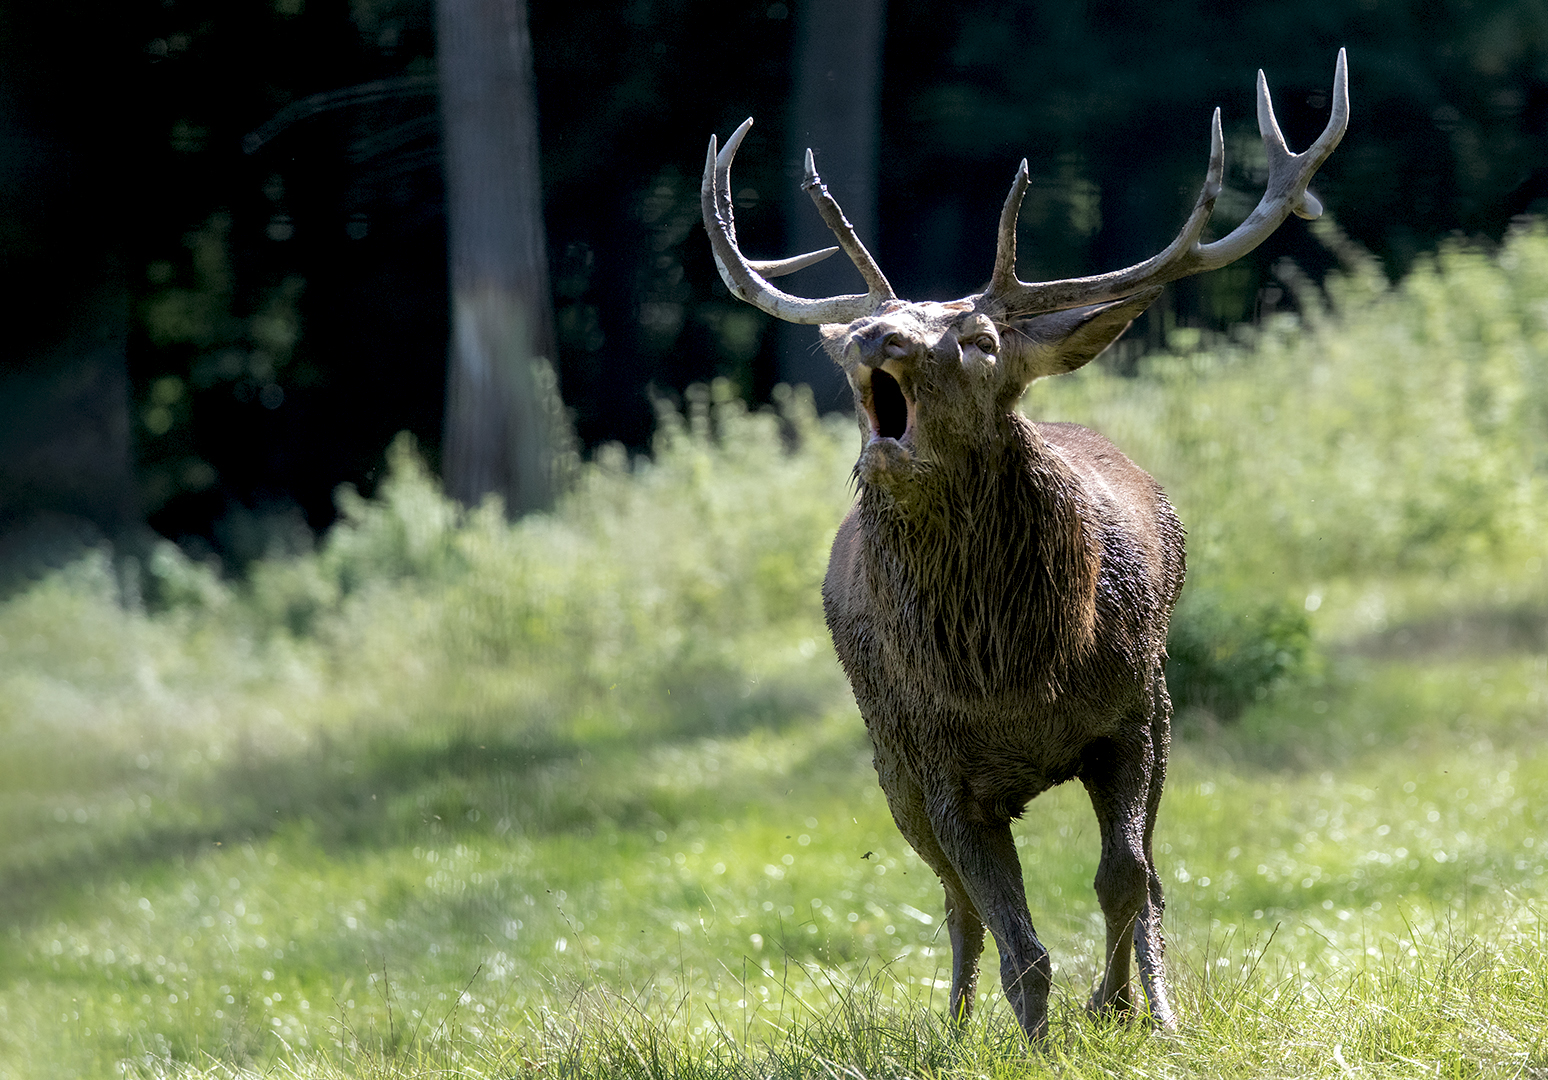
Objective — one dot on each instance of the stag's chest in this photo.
(977, 595)
(964, 652)
(987, 601)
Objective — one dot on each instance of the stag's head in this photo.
(931, 378)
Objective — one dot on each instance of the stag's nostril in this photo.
(879, 343)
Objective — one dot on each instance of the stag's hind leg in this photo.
(1149, 946)
(906, 801)
(1118, 776)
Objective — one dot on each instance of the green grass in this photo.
(587, 795)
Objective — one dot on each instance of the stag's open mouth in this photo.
(891, 412)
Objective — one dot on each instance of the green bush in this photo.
(691, 579)
(1223, 654)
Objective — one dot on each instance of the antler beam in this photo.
(1285, 194)
(748, 280)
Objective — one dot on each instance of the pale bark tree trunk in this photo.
(503, 419)
(835, 111)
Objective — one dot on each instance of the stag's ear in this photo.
(1062, 341)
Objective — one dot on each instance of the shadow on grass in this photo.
(445, 778)
(1440, 684)
(1481, 632)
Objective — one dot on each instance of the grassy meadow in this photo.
(587, 795)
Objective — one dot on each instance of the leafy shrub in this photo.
(689, 579)
(1224, 654)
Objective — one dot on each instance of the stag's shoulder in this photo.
(1103, 469)
(1123, 495)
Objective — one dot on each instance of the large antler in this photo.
(748, 280)
(1286, 194)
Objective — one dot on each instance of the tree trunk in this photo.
(503, 418)
(835, 112)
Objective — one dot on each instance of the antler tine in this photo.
(748, 280)
(769, 268)
(1005, 245)
(1284, 194)
(780, 267)
(877, 287)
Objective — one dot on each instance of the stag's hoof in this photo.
(1035, 1028)
(1119, 1008)
(1164, 1024)
(1123, 1011)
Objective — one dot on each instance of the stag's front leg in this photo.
(984, 855)
(967, 945)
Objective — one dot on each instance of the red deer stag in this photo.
(1000, 592)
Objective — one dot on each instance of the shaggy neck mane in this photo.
(984, 567)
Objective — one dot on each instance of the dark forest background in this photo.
(223, 242)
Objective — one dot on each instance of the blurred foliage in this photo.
(1223, 656)
(215, 349)
(677, 571)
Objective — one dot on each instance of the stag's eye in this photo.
(985, 343)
